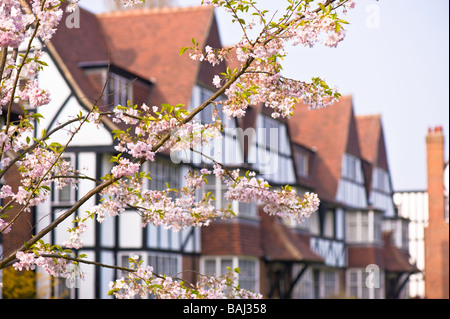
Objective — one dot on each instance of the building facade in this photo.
(354, 246)
(428, 231)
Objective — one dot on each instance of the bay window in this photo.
(363, 226)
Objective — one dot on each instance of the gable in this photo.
(206, 71)
(325, 131)
(65, 105)
(352, 139)
(157, 35)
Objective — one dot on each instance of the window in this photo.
(314, 225)
(351, 188)
(405, 233)
(400, 231)
(358, 287)
(325, 283)
(163, 172)
(330, 283)
(248, 277)
(352, 227)
(65, 196)
(350, 167)
(162, 263)
(272, 155)
(226, 150)
(381, 195)
(302, 164)
(363, 227)
(381, 180)
(118, 90)
(328, 228)
(304, 287)
(218, 190)
(377, 224)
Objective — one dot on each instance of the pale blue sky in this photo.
(394, 61)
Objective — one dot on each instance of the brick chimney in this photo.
(437, 231)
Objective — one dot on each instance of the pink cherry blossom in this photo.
(4, 228)
(125, 168)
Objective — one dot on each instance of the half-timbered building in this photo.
(133, 56)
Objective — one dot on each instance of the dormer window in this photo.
(302, 161)
(272, 155)
(121, 85)
(118, 90)
(351, 168)
(351, 190)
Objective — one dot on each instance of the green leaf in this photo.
(183, 50)
(112, 291)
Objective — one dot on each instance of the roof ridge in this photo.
(363, 116)
(145, 11)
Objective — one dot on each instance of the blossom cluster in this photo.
(125, 168)
(74, 240)
(175, 209)
(18, 28)
(156, 129)
(143, 282)
(150, 124)
(56, 267)
(4, 227)
(14, 23)
(39, 170)
(284, 203)
(262, 81)
(48, 13)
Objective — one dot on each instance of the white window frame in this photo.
(327, 290)
(303, 164)
(218, 189)
(122, 91)
(228, 149)
(304, 289)
(373, 233)
(272, 151)
(329, 225)
(71, 157)
(163, 171)
(235, 263)
(351, 188)
(362, 291)
(145, 255)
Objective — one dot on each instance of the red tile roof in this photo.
(396, 260)
(371, 140)
(281, 243)
(387, 256)
(148, 42)
(73, 46)
(145, 43)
